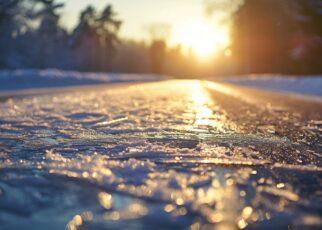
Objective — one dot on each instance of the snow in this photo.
(306, 85)
(12, 80)
(160, 154)
(31, 79)
(22, 79)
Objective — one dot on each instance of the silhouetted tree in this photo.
(262, 29)
(31, 36)
(132, 57)
(52, 39)
(96, 35)
(11, 13)
(6, 7)
(307, 42)
(85, 40)
(158, 50)
(277, 36)
(107, 28)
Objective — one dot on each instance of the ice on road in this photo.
(171, 154)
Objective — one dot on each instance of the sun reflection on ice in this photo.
(205, 117)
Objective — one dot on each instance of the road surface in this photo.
(174, 154)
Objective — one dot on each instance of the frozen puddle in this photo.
(157, 154)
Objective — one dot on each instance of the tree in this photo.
(262, 29)
(108, 27)
(159, 34)
(6, 9)
(96, 36)
(11, 12)
(31, 36)
(132, 57)
(85, 41)
(307, 42)
(52, 39)
(278, 36)
(158, 51)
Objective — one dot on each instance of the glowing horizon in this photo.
(187, 20)
(202, 38)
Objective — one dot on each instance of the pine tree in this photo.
(108, 27)
(10, 25)
(96, 36)
(52, 38)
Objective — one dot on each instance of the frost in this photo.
(165, 153)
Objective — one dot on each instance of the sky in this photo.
(186, 20)
(138, 15)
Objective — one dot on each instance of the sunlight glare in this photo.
(204, 115)
(203, 39)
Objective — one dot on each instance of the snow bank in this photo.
(28, 79)
(308, 85)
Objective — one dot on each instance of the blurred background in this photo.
(184, 38)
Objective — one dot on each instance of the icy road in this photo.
(162, 155)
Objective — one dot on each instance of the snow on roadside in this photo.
(307, 85)
(29, 79)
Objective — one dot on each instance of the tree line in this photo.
(32, 37)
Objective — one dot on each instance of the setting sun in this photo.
(203, 39)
